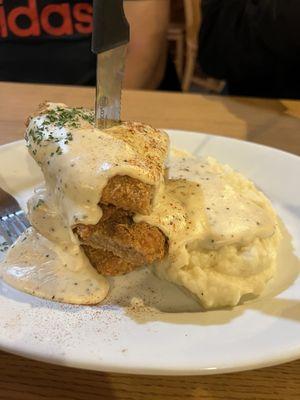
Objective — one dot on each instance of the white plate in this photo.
(170, 335)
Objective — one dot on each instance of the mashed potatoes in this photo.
(220, 278)
(223, 233)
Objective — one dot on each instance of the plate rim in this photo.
(170, 131)
(256, 363)
(106, 367)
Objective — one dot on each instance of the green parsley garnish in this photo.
(59, 151)
(68, 117)
(38, 204)
(61, 118)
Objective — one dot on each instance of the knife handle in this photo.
(110, 26)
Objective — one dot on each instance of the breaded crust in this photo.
(124, 191)
(117, 233)
(117, 244)
(128, 193)
(106, 263)
(42, 107)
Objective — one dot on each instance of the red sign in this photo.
(32, 18)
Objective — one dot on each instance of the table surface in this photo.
(272, 122)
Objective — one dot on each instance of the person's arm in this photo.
(241, 38)
(147, 51)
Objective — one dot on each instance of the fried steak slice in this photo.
(117, 245)
(129, 194)
(106, 263)
(121, 190)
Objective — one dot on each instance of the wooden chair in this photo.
(185, 36)
(176, 35)
(192, 10)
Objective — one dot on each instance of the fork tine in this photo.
(12, 226)
(13, 222)
(4, 234)
(11, 235)
(22, 219)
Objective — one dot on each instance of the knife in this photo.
(109, 42)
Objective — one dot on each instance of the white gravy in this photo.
(77, 161)
(201, 207)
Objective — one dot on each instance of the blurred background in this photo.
(236, 47)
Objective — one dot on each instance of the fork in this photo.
(13, 221)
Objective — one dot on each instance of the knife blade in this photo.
(109, 42)
(110, 73)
